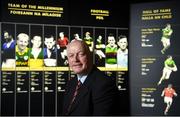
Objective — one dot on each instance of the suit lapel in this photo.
(83, 90)
(70, 92)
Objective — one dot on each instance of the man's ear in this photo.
(45, 42)
(32, 41)
(54, 42)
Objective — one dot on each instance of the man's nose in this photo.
(75, 58)
(24, 43)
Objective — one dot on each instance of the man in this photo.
(168, 94)
(169, 66)
(76, 36)
(36, 52)
(8, 51)
(165, 39)
(62, 41)
(22, 51)
(111, 52)
(50, 52)
(122, 53)
(89, 41)
(100, 51)
(97, 93)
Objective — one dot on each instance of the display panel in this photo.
(37, 74)
(154, 58)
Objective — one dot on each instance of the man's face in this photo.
(111, 40)
(123, 43)
(76, 36)
(87, 34)
(6, 35)
(169, 86)
(78, 58)
(36, 42)
(169, 26)
(22, 42)
(100, 37)
(49, 42)
(61, 34)
(170, 58)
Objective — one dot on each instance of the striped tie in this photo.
(74, 95)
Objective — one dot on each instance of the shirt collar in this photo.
(82, 78)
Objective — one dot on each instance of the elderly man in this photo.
(91, 92)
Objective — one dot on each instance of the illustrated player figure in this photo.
(62, 41)
(76, 36)
(169, 66)
(165, 39)
(99, 47)
(168, 93)
(89, 40)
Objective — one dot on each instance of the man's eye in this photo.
(70, 56)
(81, 54)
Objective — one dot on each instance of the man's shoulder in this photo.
(101, 76)
(97, 72)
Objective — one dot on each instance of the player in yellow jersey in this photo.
(22, 51)
(36, 52)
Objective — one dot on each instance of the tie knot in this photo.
(79, 82)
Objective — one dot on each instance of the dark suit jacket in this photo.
(97, 96)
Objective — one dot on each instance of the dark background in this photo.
(76, 14)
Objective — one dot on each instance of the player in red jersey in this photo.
(168, 93)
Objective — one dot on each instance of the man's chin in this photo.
(77, 71)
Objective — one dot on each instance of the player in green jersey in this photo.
(111, 52)
(165, 39)
(169, 66)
